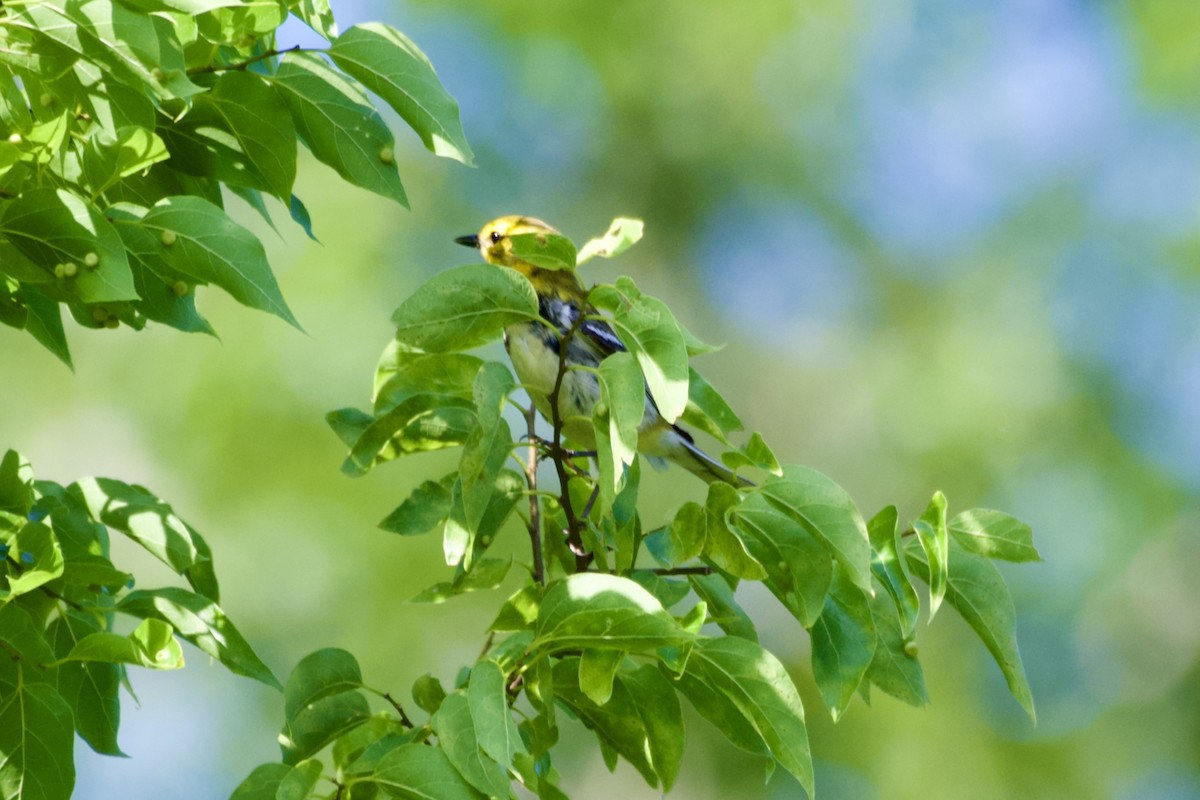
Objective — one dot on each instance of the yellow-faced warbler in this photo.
(534, 350)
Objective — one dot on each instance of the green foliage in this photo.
(124, 122)
(595, 634)
(63, 603)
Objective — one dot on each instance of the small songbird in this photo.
(534, 348)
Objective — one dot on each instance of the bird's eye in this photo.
(495, 237)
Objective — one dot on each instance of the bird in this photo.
(534, 348)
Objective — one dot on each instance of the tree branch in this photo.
(683, 571)
(241, 65)
(560, 455)
(535, 508)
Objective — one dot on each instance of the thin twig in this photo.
(683, 571)
(241, 65)
(535, 510)
(404, 720)
(559, 454)
(487, 645)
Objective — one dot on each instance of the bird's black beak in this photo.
(469, 241)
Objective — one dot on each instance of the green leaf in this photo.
(279, 782)
(45, 323)
(843, 644)
(755, 453)
(890, 569)
(894, 666)
(458, 538)
(422, 511)
(53, 226)
(464, 307)
(519, 611)
(320, 674)
(25, 637)
(389, 64)
(204, 624)
(550, 251)
(454, 725)
(487, 448)
(657, 706)
(319, 723)
(976, 590)
(724, 609)
(994, 534)
(336, 120)
(622, 234)
(107, 159)
(37, 739)
(707, 410)
(428, 693)
(90, 688)
(827, 511)
(753, 681)
(623, 391)
(241, 133)
(484, 573)
(650, 331)
(494, 726)
(153, 524)
(317, 15)
(596, 671)
(40, 558)
(418, 771)
(617, 723)
(127, 44)
(209, 247)
(683, 539)
(402, 373)
(606, 612)
(799, 568)
(190, 7)
(152, 644)
(935, 541)
(723, 547)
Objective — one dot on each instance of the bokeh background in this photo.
(948, 244)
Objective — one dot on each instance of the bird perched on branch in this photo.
(534, 350)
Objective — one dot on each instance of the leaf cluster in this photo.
(124, 124)
(64, 605)
(617, 620)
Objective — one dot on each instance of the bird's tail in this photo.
(678, 446)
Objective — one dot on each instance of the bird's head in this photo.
(495, 244)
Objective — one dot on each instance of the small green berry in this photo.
(60, 270)
(179, 288)
(46, 100)
(910, 648)
(70, 269)
(168, 238)
(783, 566)
(387, 155)
(15, 138)
(112, 322)
(91, 260)
(100, 313)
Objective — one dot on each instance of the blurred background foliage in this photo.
(948, 244)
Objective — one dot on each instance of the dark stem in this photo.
(241, 65)
(683, 571)
(404, 720)
(535, 506)
(560, 455)
(487, 645)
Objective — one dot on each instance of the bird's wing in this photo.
(601, 334)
